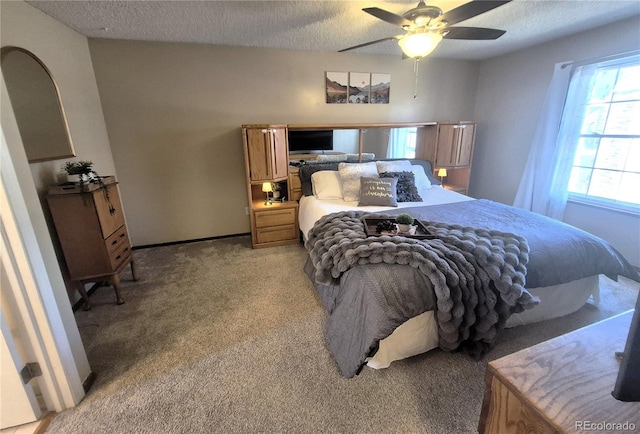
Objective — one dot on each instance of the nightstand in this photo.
(456, 188)
(274, 225)
(266, 156)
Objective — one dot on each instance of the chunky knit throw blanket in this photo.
(478, 275)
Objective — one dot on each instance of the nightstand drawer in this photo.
(277, 233)
(116, 240)
(120, 255)
(275, 217)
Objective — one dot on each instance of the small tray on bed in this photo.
(421, 233)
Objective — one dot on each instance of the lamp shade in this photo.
(266, 187)
(416, 45)
(442, 172)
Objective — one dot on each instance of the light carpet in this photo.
(217, 337)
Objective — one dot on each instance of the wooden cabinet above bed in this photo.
(446, 144)
(449, 145)
(266, 153)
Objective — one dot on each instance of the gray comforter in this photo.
(367, 301)
(559, 253)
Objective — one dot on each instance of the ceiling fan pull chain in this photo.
(415, 71)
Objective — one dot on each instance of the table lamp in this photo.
(267, 188)
(442, 173)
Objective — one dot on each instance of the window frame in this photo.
(597, 201)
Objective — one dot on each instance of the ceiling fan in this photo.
(425, 26)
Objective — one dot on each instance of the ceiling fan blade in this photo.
(470, 10)
(371, 43)
(474, 33)
(388, 16)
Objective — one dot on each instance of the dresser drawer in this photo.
(277, 233)
(275, 217)
(116, 240)
(118, 257)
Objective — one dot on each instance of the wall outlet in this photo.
(246, 210)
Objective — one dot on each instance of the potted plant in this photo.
(82, 171)
(404, 221)
(275, 188)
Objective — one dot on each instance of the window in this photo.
(402, 142)
(606, 167)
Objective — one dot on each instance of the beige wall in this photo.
(510, 96)
(66, 54)
(174, 111)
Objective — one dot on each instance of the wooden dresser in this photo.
(92, 233)
(563, 385)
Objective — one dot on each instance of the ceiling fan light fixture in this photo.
(417, 45)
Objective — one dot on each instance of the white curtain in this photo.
(398, 139)
(543, 187)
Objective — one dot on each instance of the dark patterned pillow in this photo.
(378, 192)
(406, 190)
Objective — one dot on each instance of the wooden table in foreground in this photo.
(562, 385)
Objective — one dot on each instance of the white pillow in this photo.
(326, 184)
(421, 178)
(350, 173)
(394, 166)
(355, 158)
(331, 158)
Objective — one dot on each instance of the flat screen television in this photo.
(310, 140)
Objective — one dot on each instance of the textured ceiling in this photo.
(326, 25)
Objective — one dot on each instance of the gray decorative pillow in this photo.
(350, 173)
(378, 192)
(406, 190)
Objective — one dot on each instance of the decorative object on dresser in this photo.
(273, 223)
(266, 188)
(79, 171)
(442, 173)
(276, 189)
(91, 229)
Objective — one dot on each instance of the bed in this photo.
(385, 309)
